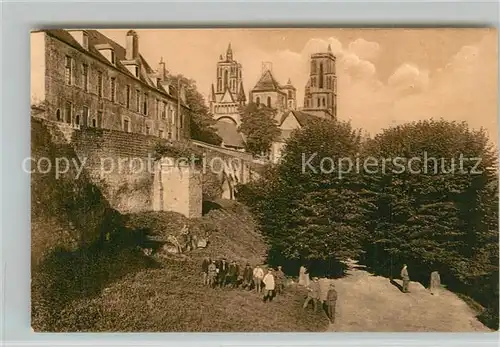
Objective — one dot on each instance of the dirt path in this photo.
(372, 303)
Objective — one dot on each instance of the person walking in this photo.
(269, 285)
(247, 277)
(331, 302)
(258, 275)
(313, 294)
(406, 278)
(204, 269)
(280, 280)
(212, 274)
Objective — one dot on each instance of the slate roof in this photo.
(95, 38)
(229, 134)
(267, 82)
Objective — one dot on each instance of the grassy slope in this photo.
(171, 298)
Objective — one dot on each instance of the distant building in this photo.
(226, 99)
(83, 78)
(320, 100)
(320, 97)
(269, 92)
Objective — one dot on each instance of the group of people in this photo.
(222, 273)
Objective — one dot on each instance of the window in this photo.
(113, 88)
(290, 94)
(126, 125)
(112, 57)
(319, 103)
(164, 111)
(219, 85)
(68, 112)
(94, 123)
(321, 75)
(170, 113)
(137, 71)
(99, 118)
(268, 101)
(99, 83)
(158, 108)
(127, 96)
(145, 104)
(313, 67)
(225, 78)
(58, 115)
(137, 100)
(257, 101)
(160, 133)
(85, 115)
(77, 120)
(85, 77)
(324, 102)
(181, 118)
(69, 70)
(148, 130)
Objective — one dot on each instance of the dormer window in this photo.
(80, 36)
(137, 71)
(107, 52)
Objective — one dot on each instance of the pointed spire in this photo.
(329, 48)
(289, 82)
(229, 53)
(212, 94)
(242, 97)
(220, 57)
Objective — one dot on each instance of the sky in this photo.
(385, 77)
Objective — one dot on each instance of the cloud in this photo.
(366, 50)
(408, 77)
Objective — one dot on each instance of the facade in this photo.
(320, 97)
(228, 94)
(269, 92)
(83, 78)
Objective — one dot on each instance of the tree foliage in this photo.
(259, 127)
(442, 213)
(309, 214)
(424, 194)
(201, 121)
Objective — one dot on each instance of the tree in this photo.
(259, 127)
(437, 205)
(313, 214)
(201, 122)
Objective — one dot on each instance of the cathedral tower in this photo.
(320, 96)
(227, 94)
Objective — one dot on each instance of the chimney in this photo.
(132, 49)
(161, 70)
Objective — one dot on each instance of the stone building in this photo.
(320, 100)
(320, 97)
(269, 92)
(226, 99)
(85, 79)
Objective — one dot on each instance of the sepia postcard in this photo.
(264, 180)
